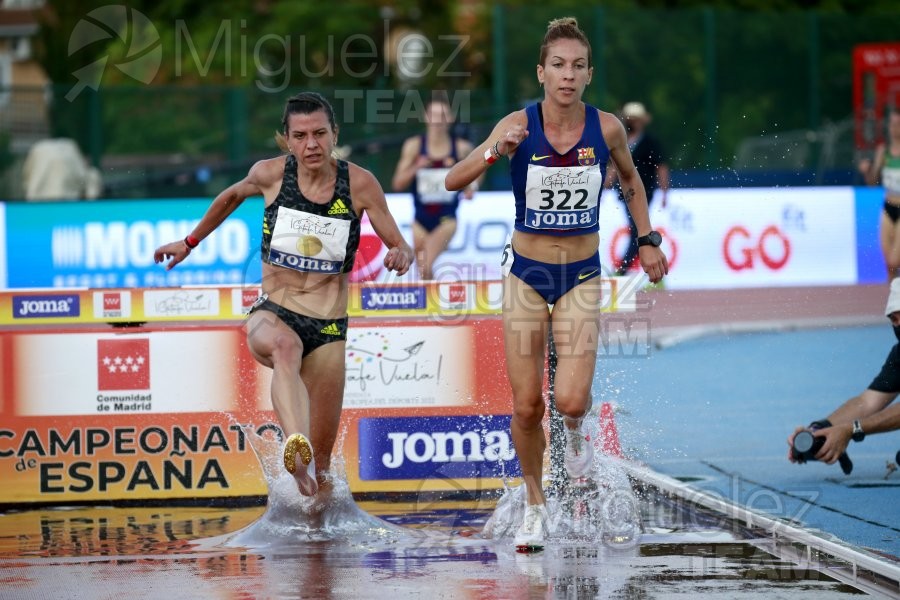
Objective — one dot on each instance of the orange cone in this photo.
(609, 434)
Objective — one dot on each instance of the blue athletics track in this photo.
(727, 377)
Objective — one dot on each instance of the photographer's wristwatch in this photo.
(858, 434)
(654, 238)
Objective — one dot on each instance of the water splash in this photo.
(292, 519)
(599, 507)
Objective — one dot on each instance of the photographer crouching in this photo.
(868, 413)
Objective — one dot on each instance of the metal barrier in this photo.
(845, 563)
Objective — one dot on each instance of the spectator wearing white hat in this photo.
(871, 411)
(652, 167)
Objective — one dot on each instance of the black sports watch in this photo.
(654, 238)
(858, 434)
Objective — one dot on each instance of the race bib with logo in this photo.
(562, 197)
(431, 188)
(306, 242)
(890, 179)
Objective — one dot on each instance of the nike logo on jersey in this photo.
(536, 157)
(583, 276)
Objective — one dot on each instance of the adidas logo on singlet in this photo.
(331, 328)
(338, 208)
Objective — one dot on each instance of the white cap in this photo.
(634, 110)
(893, 303)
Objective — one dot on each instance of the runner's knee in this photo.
(529, 415)
(286, 349)
(572, 404)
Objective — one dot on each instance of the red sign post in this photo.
(876, 90)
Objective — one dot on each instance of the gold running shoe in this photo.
(298, 445)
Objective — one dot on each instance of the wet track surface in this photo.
(388, 550)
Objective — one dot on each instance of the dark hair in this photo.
(306, 103)
(563, 29)
(303, 103)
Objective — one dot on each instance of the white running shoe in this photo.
(579, 454)
(533, 530)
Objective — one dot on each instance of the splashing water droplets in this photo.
(601, 506)
(292, 519)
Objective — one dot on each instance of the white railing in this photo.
(865, 571)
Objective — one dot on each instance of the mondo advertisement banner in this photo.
(110, 244)
(714, 238)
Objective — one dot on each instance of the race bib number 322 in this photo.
(562, 197)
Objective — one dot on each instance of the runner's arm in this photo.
(505, 138)
(369, 197)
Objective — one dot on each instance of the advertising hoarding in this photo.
(714, 238)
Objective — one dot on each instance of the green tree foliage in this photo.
(265, 49)
(317, 44)
(713, 73)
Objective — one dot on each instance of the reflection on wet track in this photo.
(334, 547)
(414, 551)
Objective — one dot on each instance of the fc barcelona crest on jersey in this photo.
(586, 156)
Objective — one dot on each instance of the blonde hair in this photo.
(565, 28)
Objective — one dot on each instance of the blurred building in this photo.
(23, 108)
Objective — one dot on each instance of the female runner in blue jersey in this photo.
(558, 151)
(424, 162)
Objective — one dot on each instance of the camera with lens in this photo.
(806, 445)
